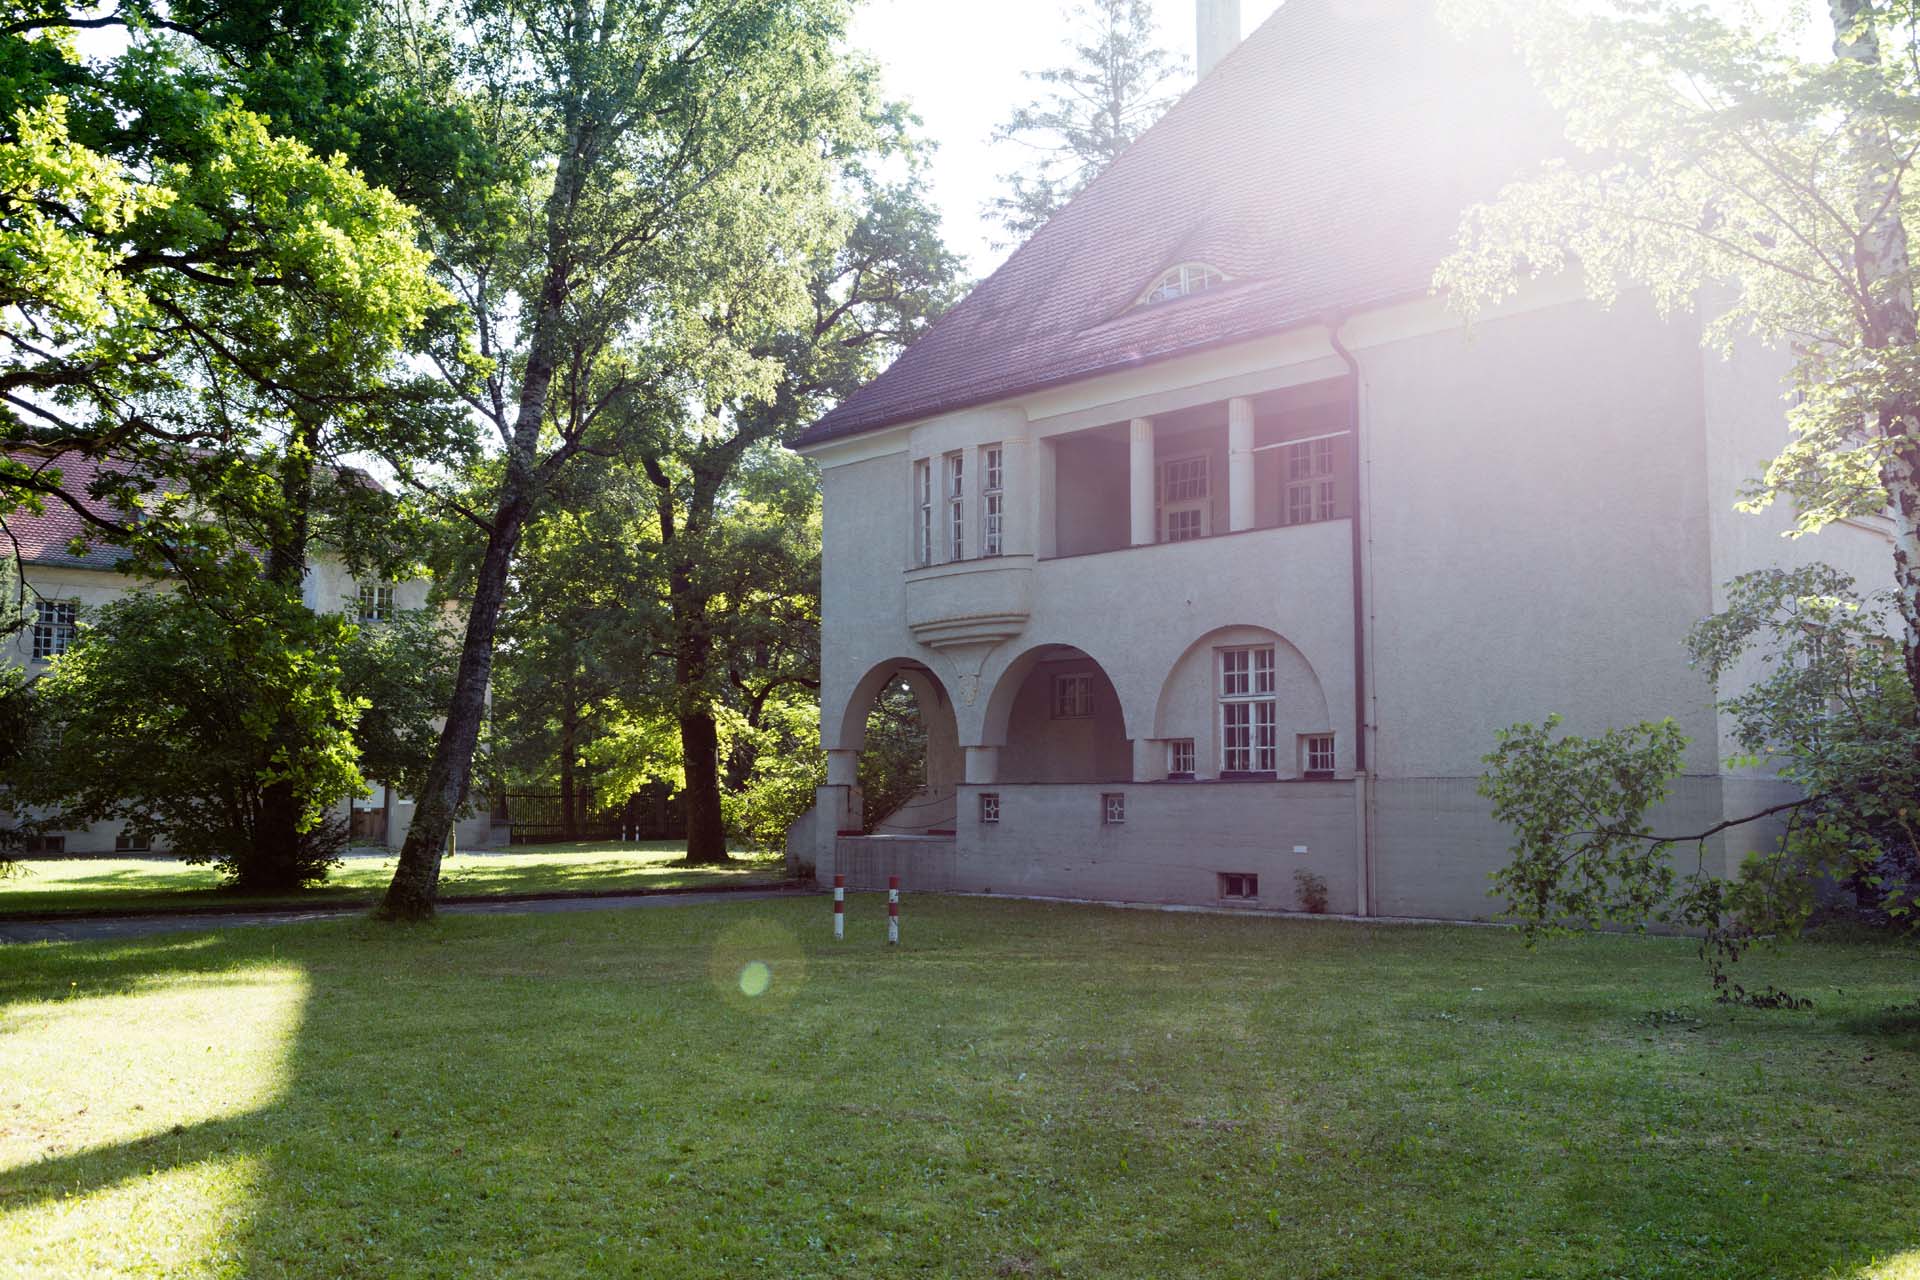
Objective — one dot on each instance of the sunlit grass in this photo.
(100, 1076)
(136, 884)
(1020, 1089)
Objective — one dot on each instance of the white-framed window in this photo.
(992, 499)
(1249, 712)
(923, 512)
(1073, 696)
(1113, 808)
(1185, 496)
(954, 485)
(989, 806)
(127, 843)
(376, 602)
(1242, 886)
(1316, 753)
(1179, 282)
(1180, 758)
(1309, 492)
(55, 622)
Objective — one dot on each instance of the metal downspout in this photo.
(1335, 322)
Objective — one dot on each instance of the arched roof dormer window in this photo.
(1181, 281)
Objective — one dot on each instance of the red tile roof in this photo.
(48, 538)
(1323, 166)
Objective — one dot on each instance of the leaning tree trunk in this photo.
(416, 878)
(1883, 264)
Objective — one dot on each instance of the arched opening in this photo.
(901, 722)
(1243, 702)
(1057, 718)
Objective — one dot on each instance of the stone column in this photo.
(843, 768)
(1240, 455)
(1140, 473)
(983, 765)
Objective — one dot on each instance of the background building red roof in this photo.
(1323, 166)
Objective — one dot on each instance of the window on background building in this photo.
(126, 843)
(55, 623)
(1113, 808)
(1182, 281)
(1180, 758)
(1316, 753)
(1240, 885)
(1309, 495)
(1249, 713)
(992, 499)
(923, 513)
(1073, 696)
(989, 806)
(1186, 498)
(376, 602)
(955, 483)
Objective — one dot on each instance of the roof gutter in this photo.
(1335, 321)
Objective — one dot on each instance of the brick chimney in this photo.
(1219, 32)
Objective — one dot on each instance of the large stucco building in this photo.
(1216, 550)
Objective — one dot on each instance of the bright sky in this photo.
(960, 63)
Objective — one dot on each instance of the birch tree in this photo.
(677, 160)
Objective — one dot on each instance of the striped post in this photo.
(839, 908)
(893, 911)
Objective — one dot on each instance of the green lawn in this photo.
(1022, 1089)
(147, 884)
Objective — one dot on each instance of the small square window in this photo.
(1113, 808)
(1239, 886)
(989, 806)
(1316, 754)
(1073, 696)
(126, 842)
(1180, 758)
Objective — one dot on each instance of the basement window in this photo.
(1183, 281)
(1113, 808)
(1239, 886)
(989, 806)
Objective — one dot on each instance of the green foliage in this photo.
(1117, 85)
(176, 718)
(893, 767)
(400, 672)
(786, 767)
(1829, 708)
(1823, 701)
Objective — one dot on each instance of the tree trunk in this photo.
(416, 879)
(569, 725)
(700, 754)
(1882, 263)
(273, 863)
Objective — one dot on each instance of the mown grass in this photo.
(1022, 1089)
(64, 885)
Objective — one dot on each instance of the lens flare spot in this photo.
(755, 978)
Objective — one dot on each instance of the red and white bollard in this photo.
(893, 911)
(839, 908)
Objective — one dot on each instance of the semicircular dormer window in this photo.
(1182, 281)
